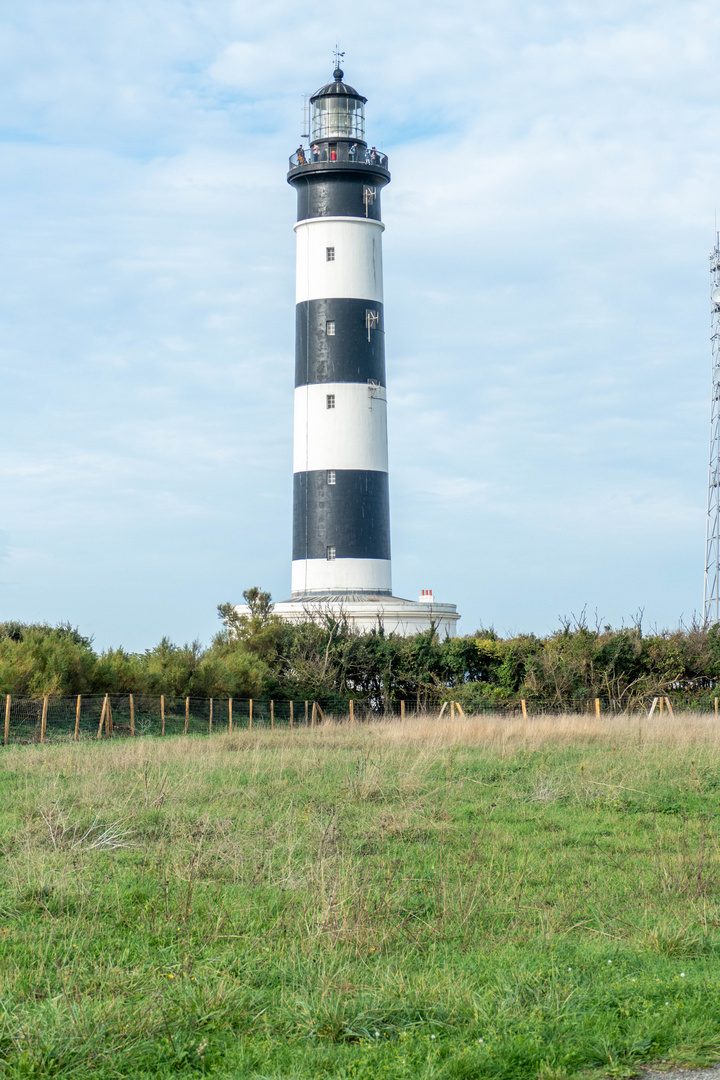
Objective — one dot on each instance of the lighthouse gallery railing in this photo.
(342, 156)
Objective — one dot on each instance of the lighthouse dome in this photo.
(338, 88)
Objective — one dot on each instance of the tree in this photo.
(37, 659)
(260, 605)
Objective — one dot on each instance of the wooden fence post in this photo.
(272, 715)
(452, 710)
(661, 702)
(321, 713)
(306, 713)
(187, 714)
(402, 710)
(8, 700)
(314, 714)
(444, 707)
(132, 716)
(716, 706)
(76, 734)
(669, 706)
(352, 711)
(162, 714)
(250, 715)
(291, 714)
(523, 705)
(102, 718)
(653, 707)
(597, 706)
(43, 721)
(229, 715)
(108, 718)
(210, 720)
(459, 708)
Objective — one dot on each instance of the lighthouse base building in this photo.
(341, 493)
(365, 613)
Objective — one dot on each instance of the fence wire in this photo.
(101, 716)
(105, 715)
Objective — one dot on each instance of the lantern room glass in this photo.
(338, 117)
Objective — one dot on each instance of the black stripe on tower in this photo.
(352, 515)
(335, 194)
(346, 355)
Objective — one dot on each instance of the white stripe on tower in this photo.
(353, 435)
(342, 575)
(341, 529)
(355, 270)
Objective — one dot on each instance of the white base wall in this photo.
(396, 616)
(353, 435)
(341, 575)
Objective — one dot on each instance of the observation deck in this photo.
(341, 157)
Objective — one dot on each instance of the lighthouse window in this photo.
(330, 327)
(330, 401)
(330, 553)
(331, 476)
(330, 254)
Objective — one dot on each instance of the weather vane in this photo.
(338, 55)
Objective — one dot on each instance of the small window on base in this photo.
(330, 401)
(330, 553)
(331, 476)
(330, 254)
(330, 328)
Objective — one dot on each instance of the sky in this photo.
(555, 178)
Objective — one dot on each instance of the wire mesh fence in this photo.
(106, 715)
(98, 716)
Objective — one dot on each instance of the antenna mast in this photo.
(306, 117)
(711, 593)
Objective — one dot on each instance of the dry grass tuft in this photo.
(427, 733)
(514, 733)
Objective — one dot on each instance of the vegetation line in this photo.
(258, 656)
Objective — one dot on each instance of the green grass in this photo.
(487, 898)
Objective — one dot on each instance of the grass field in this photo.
(481, 898)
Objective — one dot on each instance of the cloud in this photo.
(246, 65)
(555, 169)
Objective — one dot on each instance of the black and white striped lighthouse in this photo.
(341, 511)
(341, 506)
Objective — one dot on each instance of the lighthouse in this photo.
(341, 494)
(341, 505)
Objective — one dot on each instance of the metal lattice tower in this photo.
(711, 594)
